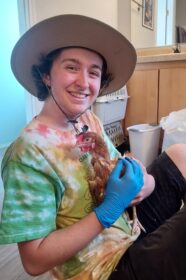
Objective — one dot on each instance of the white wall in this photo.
(114, 12)
(124, 18)
(103, 10)
(141, 36)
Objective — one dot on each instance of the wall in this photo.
(12, 97)
(1, 184)
(140, 35)
(164, 23)
(180, 12)
(114, 12)
(124, 18)
(103, 10)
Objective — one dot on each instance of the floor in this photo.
(11, 267)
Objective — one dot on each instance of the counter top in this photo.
(160, 54)
(161, 57)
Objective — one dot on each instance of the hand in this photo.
(148, 187)
(146, 190)
(120, 191)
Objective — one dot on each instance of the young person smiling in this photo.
(49, 208)
(74, 80)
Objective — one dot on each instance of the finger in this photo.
(137, 199)
(118, 168)
(138, 172)
(136, 167)
(128, 167)
(134, 202)
(133, 169)
(128, 159)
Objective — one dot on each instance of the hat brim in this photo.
(73, 30)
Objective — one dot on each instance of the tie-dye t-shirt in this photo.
(46, 188)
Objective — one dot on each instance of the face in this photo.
(75, 80)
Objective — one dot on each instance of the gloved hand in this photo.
(120, 191)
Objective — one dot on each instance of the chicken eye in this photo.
(88, 139)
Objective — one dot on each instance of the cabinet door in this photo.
(142, 106)
(172, 90)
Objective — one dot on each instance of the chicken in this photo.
(101, 163)
(101, 168)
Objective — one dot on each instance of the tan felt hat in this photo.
(79, 31)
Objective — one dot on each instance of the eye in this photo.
(71, 67)
(95, 73)
(88, 139)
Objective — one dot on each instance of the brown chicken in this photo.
(101, 163)
(102, 167)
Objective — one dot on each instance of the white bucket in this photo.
(144, 142)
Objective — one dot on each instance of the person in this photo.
(68, 191)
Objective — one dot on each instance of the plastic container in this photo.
(111, 107)
(144, 142)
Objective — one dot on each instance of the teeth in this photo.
(79, 95)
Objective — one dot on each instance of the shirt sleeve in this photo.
(30, 204)
(114, 153)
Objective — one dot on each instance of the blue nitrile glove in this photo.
(120, 191)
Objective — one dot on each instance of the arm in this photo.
(39, 256)
(148, 187)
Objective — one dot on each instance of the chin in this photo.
(78, 112)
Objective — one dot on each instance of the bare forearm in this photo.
(39, 256)
(151, 182)
(148, 188)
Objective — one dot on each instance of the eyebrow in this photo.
(74, 60)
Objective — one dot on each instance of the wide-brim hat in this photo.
(79, 31)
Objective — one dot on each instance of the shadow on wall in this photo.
(1, 196)
(1, 183)
(181, 34)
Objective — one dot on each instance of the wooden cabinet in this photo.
(155, 89)
(172, 90)
(143, 98)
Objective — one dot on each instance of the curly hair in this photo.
(45, 65)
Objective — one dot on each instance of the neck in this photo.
(53, 116)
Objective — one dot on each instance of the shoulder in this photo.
(26, 149)
(92, 121)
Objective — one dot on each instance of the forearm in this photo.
(147, 189)
(39, 256)
(150, 182)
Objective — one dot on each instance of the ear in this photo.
(46, 80)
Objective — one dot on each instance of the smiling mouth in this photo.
(80, 95)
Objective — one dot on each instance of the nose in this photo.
(82, 80)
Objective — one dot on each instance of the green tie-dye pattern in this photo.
(45, 180)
